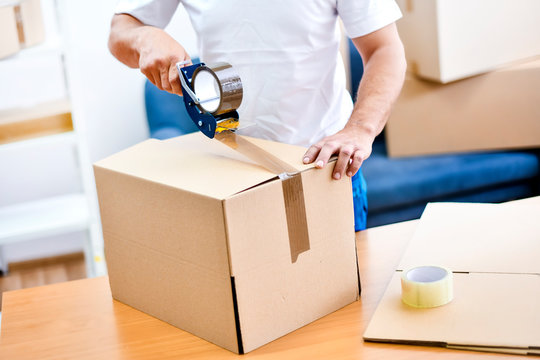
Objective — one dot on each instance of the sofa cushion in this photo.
(492, 195)
(397, 182)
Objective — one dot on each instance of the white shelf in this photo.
(65, 138)
(43, 218)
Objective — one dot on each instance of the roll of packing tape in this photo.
(427, 286)
(218, 88)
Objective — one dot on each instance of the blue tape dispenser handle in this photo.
(204, 121)
(216, 112)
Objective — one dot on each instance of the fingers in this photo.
(163, 73)
(326, 152)
(174, 76)
(312, 153)
(174, 80)
(154, 77)
(164, 77)
(352, 147)
(342, 163)
(355, 164)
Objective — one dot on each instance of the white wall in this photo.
(107, 96)
(108, 110)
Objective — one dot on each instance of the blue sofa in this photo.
(398, 189)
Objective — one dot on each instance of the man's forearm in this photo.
(124, 39)
(381, 83)
(384, 73)
(149, 48)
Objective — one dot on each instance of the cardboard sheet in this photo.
(477, 238)
(499, 311)
(493, 250)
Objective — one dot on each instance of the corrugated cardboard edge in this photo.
(239, 340)
(442, 344)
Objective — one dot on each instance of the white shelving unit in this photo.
(42, 218)
(61, 214)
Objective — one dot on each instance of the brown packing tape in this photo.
(295, 209)
(20, 25)
(409, 5)
(228, 83)
(293, 192)
(260, 156)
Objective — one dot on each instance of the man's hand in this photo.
(148, 48)
(384, 72)
(353, 146)
(158, 55)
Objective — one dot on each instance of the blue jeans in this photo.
(167, 118)
(359, 189)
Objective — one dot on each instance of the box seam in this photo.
(236, 309)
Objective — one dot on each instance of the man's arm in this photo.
(384, 73)
(148, 48)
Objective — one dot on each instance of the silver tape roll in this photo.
(218, 88)
(427, 286)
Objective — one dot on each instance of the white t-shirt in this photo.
(286, 53)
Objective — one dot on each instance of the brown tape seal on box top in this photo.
(293, 191)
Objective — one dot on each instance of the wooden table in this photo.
(79, 320)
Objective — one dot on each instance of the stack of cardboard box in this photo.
(21, 26)
(473, 81)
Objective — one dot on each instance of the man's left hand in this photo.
(353, 146)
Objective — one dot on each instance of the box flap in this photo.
(200, 165)
(488, 310)
(497, 238)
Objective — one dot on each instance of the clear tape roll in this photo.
(427, 286)
(218, 88)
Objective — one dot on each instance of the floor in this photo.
(43, 272)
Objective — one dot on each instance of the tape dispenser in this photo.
(212, 93)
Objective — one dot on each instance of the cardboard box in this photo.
(495, 111)
(447, 40)
(197, 235)
(21, 25)
(30, 22)
(9, 41)
(492, 250)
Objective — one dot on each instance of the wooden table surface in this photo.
(80, 320)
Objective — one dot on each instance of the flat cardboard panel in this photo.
(276, 296)
(495, 111)
(215, 170)
(477, 238)
(166, 253)
(493, 310)
(535, 200)
(447, 40)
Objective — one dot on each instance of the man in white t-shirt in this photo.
(287, 55)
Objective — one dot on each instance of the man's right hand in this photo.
(148, 48)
